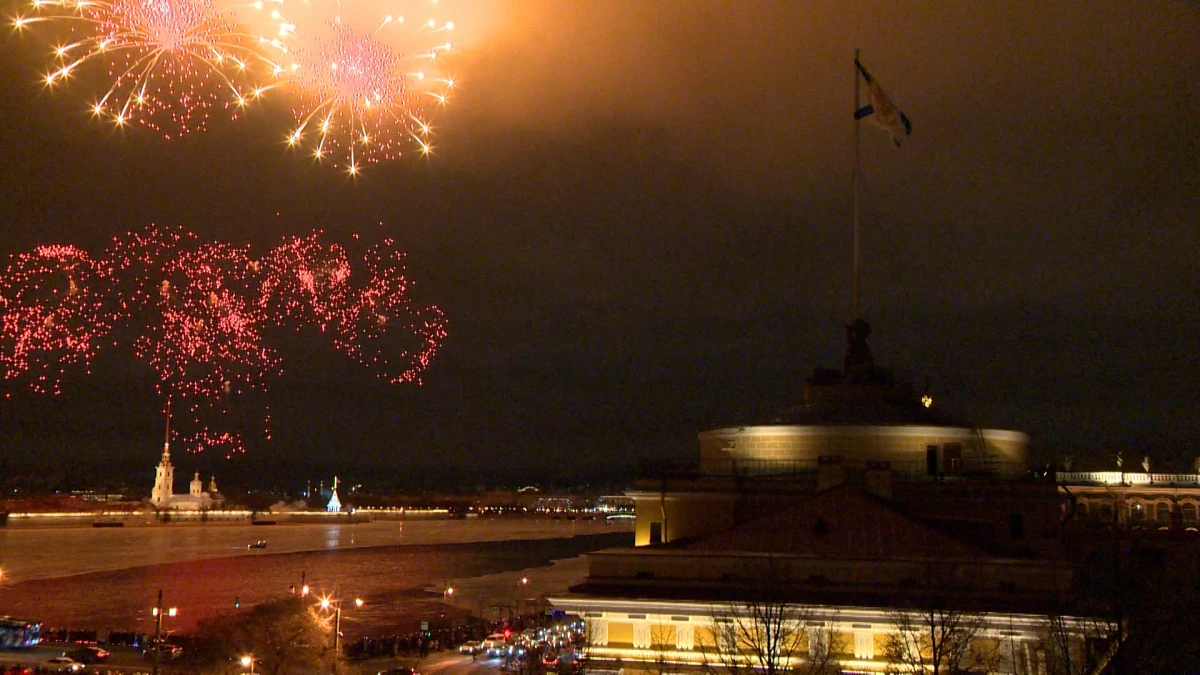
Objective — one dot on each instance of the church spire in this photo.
(167, 438)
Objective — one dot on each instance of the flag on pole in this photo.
(882, 110)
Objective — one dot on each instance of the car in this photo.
(470, 647)
(168, 650)
(90, 654)
(64, 664)
(401, 670)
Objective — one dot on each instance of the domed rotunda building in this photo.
(859, 417)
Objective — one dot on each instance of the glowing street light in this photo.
(158, 612)
(248, 662)
(325, 604)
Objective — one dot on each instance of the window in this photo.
(1189, 514)
(1162, 513)
(1081, 510)
(1106, 512)
(952, 457)
(1137, 512)
(656, 535)
(1016, 526)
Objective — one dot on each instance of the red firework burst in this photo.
(383, 328)
(55, 314)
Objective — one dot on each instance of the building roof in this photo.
(840, 523)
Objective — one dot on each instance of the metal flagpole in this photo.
(854, 178)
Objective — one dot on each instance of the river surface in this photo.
(108, 579)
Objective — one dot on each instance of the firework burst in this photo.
(170, 63)
(55, 314)
(362, 99)
(207, 341)
(382, 327)
(202, 313)
(305, 282)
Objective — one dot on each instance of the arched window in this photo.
(1137, 512)
(1162, 513)
(1081, 510)
(1189, 514)
(1106, 511)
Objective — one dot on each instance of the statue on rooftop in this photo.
(858, 360)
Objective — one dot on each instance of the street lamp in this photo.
(325, 604)
(158, 612)
(248, 662)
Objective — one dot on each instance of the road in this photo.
(447, 662)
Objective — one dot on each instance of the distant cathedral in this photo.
(162, 495)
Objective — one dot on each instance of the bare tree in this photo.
(662, 639)
(589, 640)
(764, 632)
(1146, 597)
(936, 639)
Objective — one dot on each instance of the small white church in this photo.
(163, 497)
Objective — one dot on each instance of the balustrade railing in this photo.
(1128, 478)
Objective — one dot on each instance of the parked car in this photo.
(401, 670)
(64, 664)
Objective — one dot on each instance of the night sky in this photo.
(638, 221)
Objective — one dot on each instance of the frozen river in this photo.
(108, 578)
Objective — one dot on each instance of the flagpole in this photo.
(854, 179)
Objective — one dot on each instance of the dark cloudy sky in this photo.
(638, 222)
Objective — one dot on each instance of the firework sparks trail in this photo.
(170, 63)
(55, 314)
(207, 440)
(361, 100)
(199, 314)
(383, 329)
